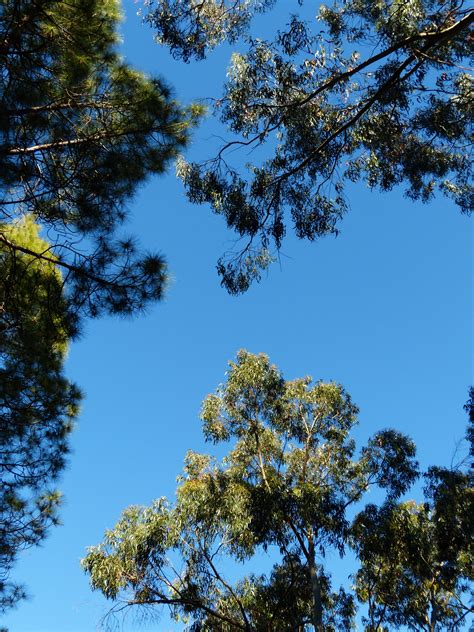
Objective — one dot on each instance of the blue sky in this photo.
(385, 309)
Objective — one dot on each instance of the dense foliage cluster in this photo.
(373, 91)
(37, 403)
(192, 29)
(79, 131)
(416, 558)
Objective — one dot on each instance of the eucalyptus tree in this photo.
(417, 558)
(469, 408)
(286, 487)
(373, 91)
(37, 403)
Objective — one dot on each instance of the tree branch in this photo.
(55, 261)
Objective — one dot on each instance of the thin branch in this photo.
(55, 261)
(194, 603)
(228, 586)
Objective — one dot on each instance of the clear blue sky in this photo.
(385, 309)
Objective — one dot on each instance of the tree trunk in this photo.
(434, 616)
(317, 610)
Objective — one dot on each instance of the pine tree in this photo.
(37, 403)
(79, 131)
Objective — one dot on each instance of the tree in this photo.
(416, 559)
(469, 408)
(37, 404)
(80, 130)
(382, 93)
(287, 485)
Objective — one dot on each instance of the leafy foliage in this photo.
(286, 486)
(382, 94)
(37, 403)
(192, 29)
(79, 131)
(416, 559)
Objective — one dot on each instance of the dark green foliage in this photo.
(469, 408)
(285, 487)
(37, 403)
(192, 29)
(373, 91)
(416, 559)
(79, 131)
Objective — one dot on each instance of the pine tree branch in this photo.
(55, 261)
(79, 141)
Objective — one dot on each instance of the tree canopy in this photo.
(416, 558)
(288, 484)
(80, 130)
(372, 91)
(37, 403)
(378, 92)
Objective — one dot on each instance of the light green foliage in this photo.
(37, 404)
(373, 91)
(286, 484)
(80, 130)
